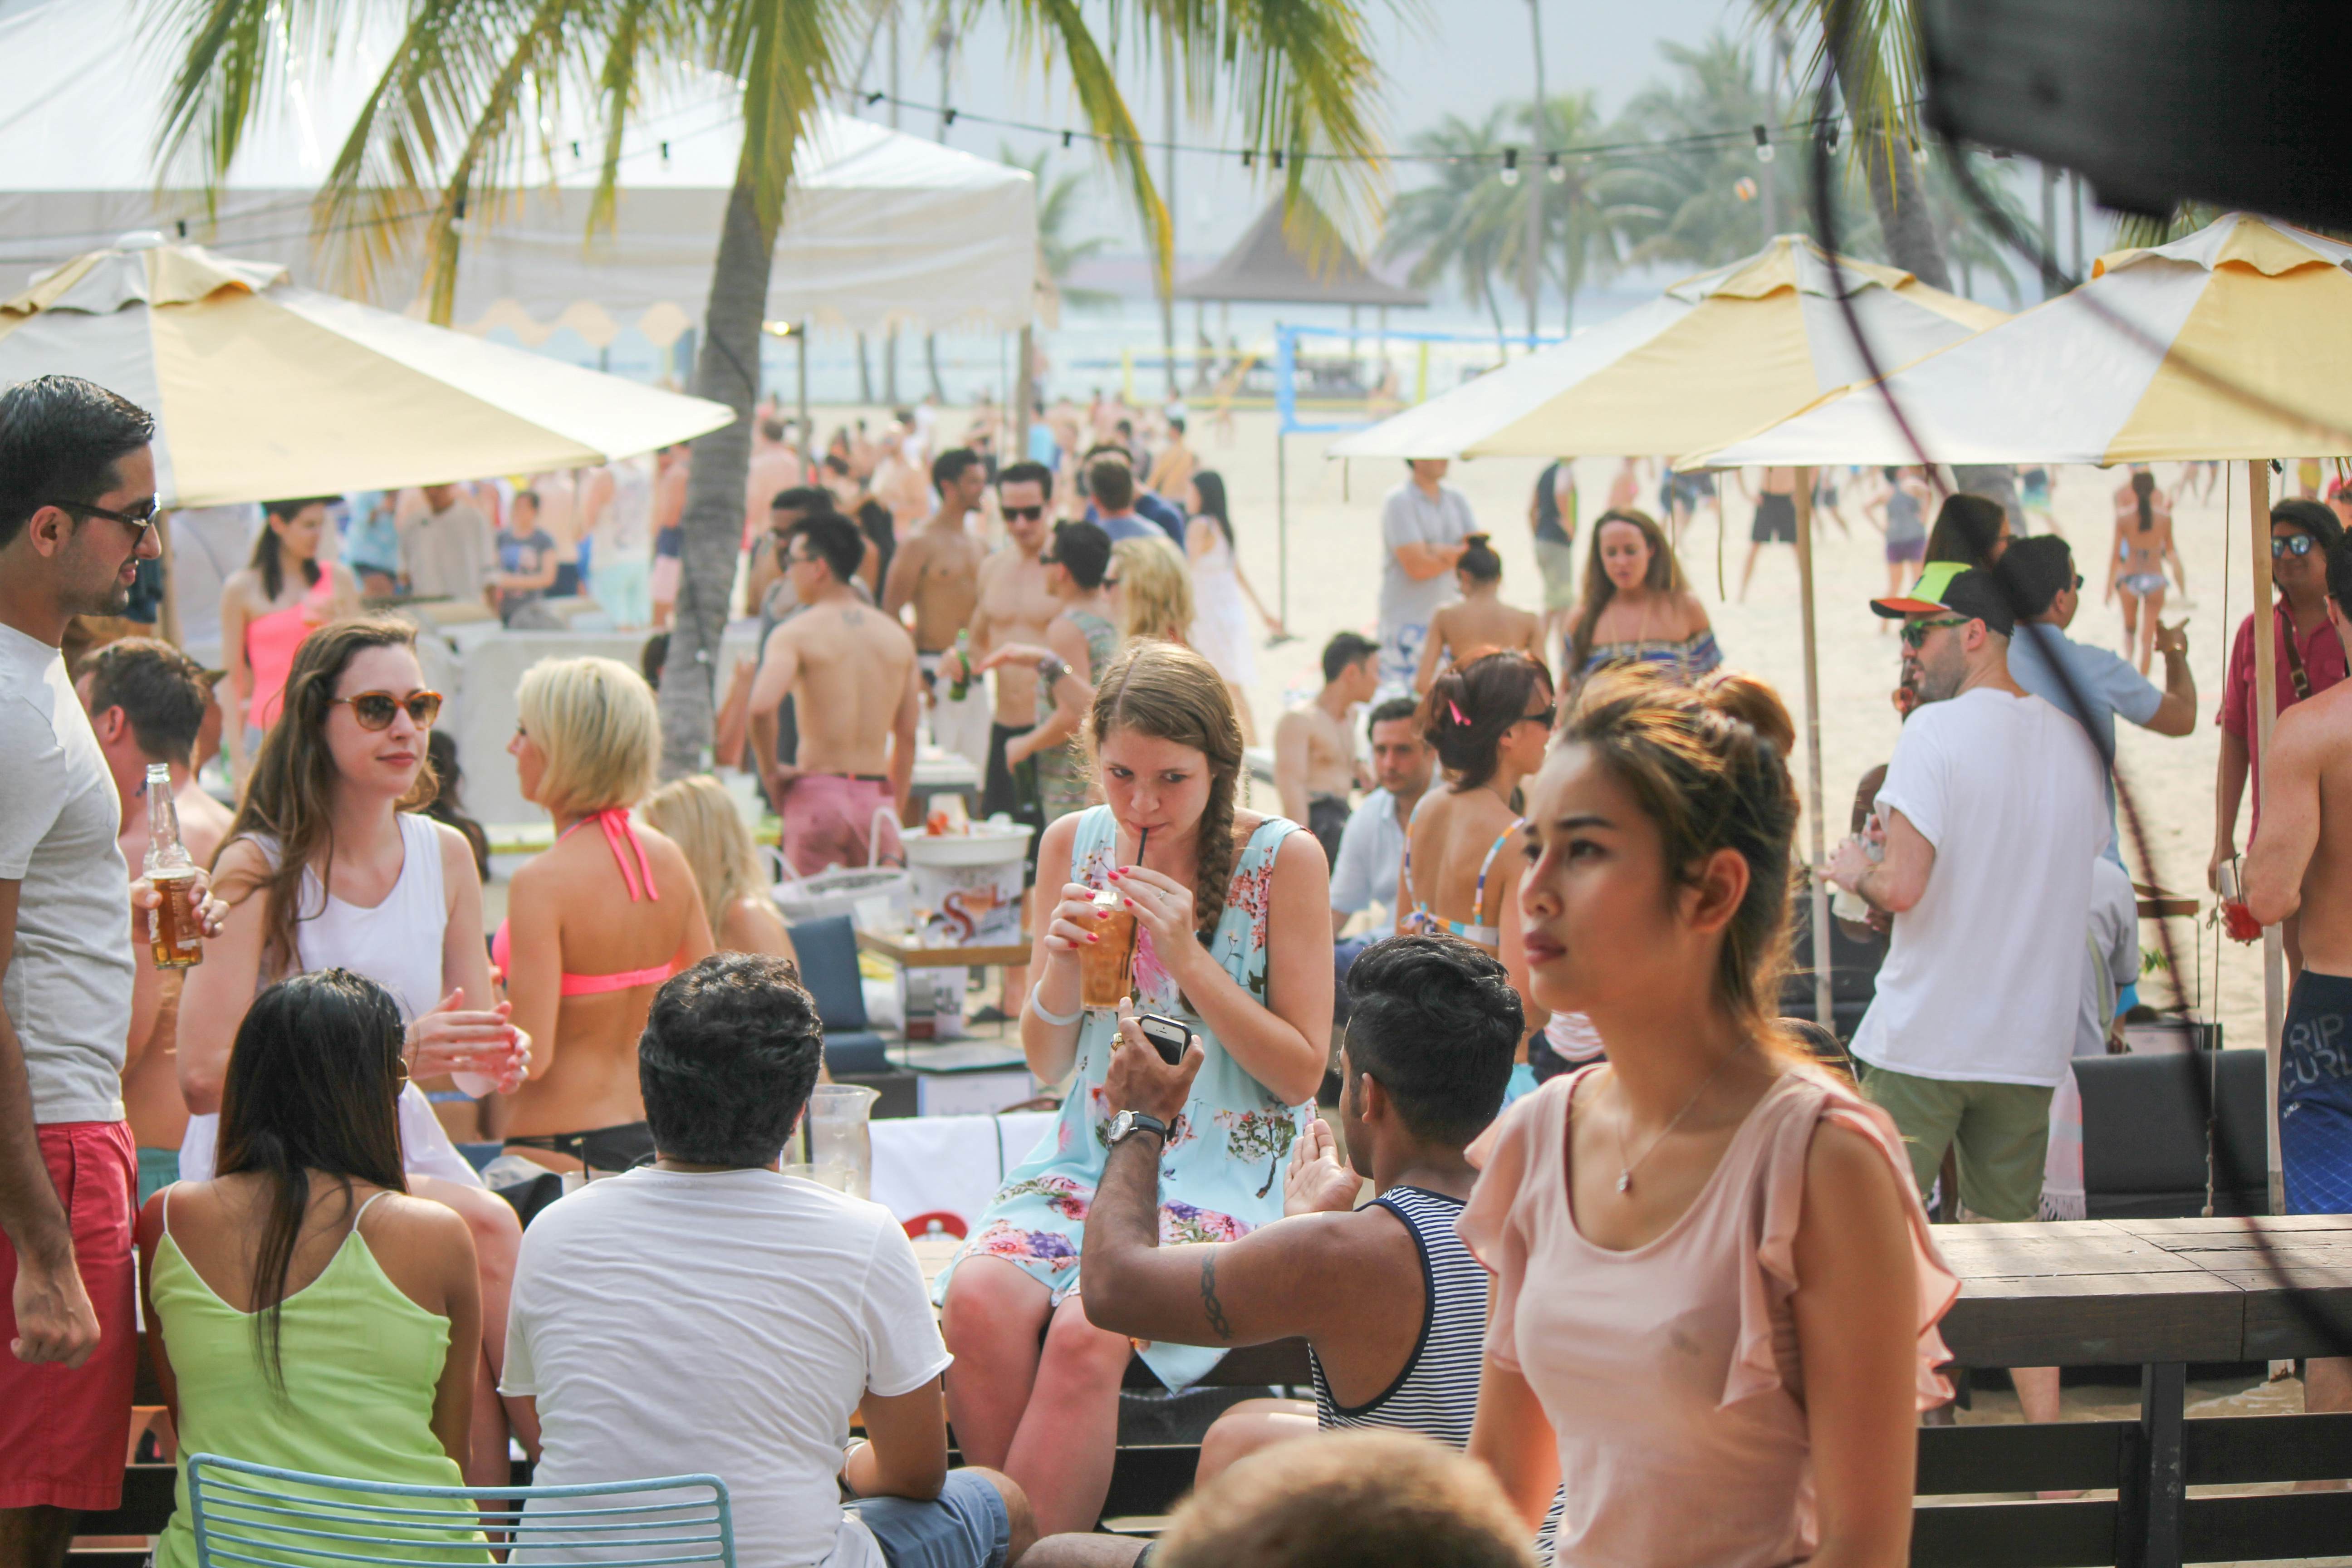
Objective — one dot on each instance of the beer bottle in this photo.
(172, 930)
(960, 682)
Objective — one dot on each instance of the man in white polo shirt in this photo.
(1993, 808)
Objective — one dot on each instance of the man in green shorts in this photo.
(1994, 807)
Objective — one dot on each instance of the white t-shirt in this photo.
(1984, 977)
(2111, 958)
(67, 990)
(725, 1323)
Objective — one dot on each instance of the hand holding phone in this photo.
(1167, 1037)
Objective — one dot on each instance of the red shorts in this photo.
(828, 819)
(64, 1430)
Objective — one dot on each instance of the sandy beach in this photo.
(1334, 567)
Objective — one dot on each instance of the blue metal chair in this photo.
(258, 1515)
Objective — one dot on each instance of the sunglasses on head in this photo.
(1915, 633)
(1023, 513)
(377, 709)
(2292, 544)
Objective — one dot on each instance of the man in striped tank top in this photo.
(1427, 1055)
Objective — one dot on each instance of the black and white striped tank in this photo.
(1436, 1394)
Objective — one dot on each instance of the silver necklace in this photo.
(1626, 1168)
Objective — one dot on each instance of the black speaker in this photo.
(2155, 101)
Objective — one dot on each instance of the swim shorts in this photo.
(2315, 1095)
(828, 817)
(1776, 519)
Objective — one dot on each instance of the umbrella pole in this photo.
(1823, 1012)
(2258, 503)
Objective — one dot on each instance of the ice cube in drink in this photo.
(1106, 965)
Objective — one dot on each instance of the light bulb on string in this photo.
(1510, 165)
(1553, 169)
(1763, 145)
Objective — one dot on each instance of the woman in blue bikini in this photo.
(1489, 721)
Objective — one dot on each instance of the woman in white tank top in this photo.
(380, 891)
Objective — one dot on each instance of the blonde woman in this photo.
(1154, 591)
(701, 818)
(596, 922)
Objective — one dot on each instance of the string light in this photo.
(1248, 158)
(1510, 165)
(947, 117)
(1763, 145)
(872, 99)
(1277, 159)
(1066, 139)
(1553, 170)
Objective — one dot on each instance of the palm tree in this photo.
(1589, 209)
(1057, 253)
(453, 120)
(1688, 189)
(1459, 223)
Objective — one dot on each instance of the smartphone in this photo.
(1167, 1037)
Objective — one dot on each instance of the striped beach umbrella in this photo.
(262, 389)
(2230, 342)
(1714, 356)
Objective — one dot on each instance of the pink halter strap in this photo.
(614, 821)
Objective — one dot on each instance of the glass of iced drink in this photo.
(1106, 965)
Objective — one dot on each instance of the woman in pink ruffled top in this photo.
(1715, 1295)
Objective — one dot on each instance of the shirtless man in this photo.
(1016, 603)
(846, 666)
(670, 528)
(775, 467)
(937, 570)
(1314, 746)
(1776, 518)
(2300, 864)
(1174, 467)
(897, 479)
(147, 702)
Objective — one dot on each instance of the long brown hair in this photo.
(1167, 692)
(313, 1082)
(290, 798)
(1471, 707)
(1665, 576)
(1710, 780)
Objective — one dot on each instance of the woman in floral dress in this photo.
(1234, 938)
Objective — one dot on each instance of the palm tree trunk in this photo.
(727, 371)
(1909, 229)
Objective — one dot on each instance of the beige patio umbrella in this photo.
(263, 389)
(2226, 343)
(1724, 350)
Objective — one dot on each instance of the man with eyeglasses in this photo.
(2310, 659)
(76, 516)
(2049, 591)
(1992, 810)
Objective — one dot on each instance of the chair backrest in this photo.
(2145, 1139)
(258, 1515)
(826, 950)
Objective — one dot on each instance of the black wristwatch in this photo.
(1133, 1121)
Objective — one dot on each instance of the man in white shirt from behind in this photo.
(709, 1315)
(1994, 807)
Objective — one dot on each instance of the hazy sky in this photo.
(1462, 57)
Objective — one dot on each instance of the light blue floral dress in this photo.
(1220, 1174)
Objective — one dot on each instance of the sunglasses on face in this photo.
(1023, 513)
(377, 709)
(137, 522)
(1915, 633)
(2292, 544)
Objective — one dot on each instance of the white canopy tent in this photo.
(883, 229)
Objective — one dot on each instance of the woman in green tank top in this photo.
(1077, 568)
(303, 1311)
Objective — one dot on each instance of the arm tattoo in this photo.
(1209, 1303)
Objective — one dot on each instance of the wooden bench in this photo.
(2156, 1294)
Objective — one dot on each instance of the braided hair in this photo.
(1167, 692)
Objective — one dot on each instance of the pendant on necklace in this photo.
(1624, 1181)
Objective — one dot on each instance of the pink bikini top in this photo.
(638, 875)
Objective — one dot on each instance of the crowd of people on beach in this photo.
(1582, 1221)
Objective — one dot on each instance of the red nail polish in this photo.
(1094, 939)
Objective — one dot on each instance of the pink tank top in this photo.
(270, 642)
(1670, 1373)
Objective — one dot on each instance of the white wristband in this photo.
(1047, 1014)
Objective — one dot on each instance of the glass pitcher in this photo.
(840, 1142)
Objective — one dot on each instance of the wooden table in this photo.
(913, 955)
